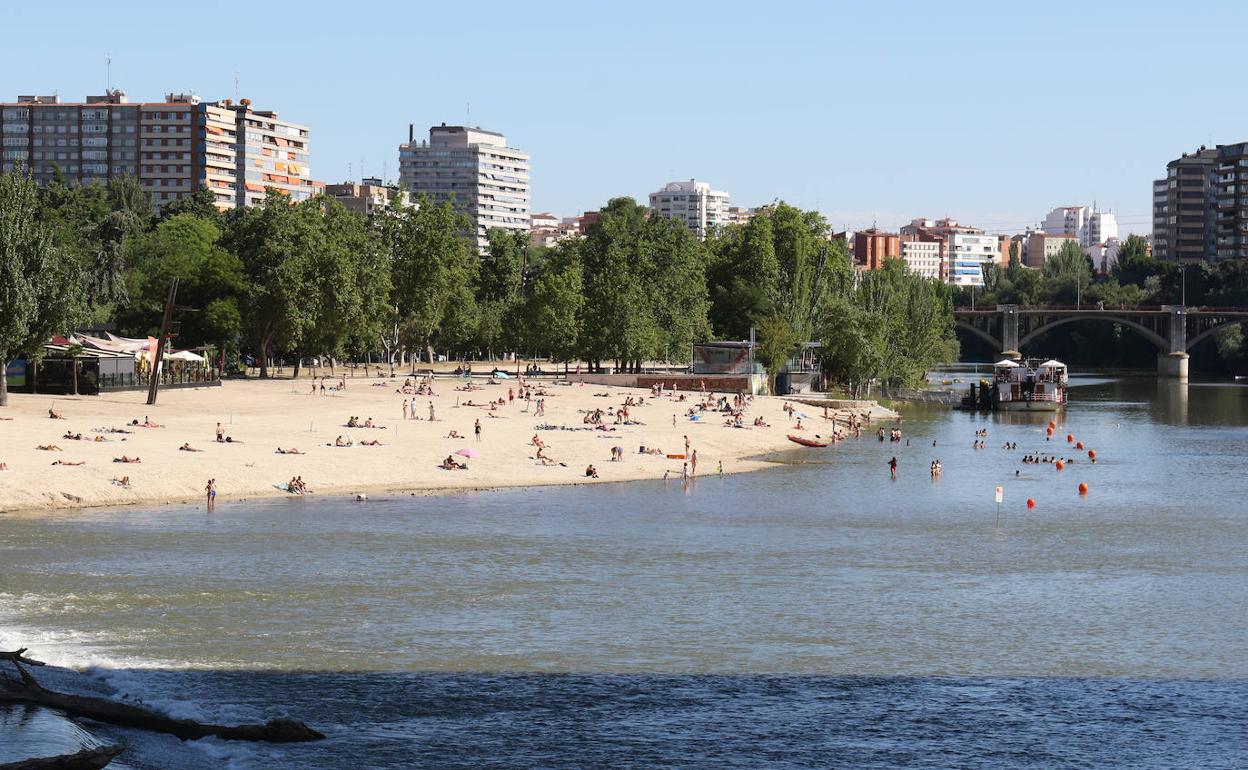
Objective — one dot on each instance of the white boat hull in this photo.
(1030, 406)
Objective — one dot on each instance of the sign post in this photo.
(1000, 496)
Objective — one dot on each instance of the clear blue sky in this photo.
(988, 112)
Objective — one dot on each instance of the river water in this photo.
(815, 615)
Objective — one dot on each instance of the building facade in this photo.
(1230, 195)
(1185, 208)
(965, 257)
(1090, 226)
(476, 170)
(923, 258)
(693, 203)
(1042, 245)
(367, 196)
(172, 147)
(873, 246)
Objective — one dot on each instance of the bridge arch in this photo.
(1212, 331)
(992, 341)
(1156, 339)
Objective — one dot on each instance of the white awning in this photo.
(1053, 363)
(1006, 362)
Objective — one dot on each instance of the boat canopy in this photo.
(1053, 363)
(1007, 363)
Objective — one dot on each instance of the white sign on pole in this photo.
(1000, 494)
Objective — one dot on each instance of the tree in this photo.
(210, 279)
(40, 291)
(433, 268)
(552, 309)
(500, 280)
(778, 343)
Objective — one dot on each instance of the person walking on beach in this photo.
(211, 491)
(476, 428)
(892, 468)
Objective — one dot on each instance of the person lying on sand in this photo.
(291, 451)
(454, 434)
(55, 415)
(124, 481)
(49, 448)
(67, 462)
(373, 442)
(147, 423)
(125, 459)
(188, 448)
(72, 436)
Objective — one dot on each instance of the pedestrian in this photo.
(721, 468)
(431, 412)
(211, 491)
(684, 473)
(476, 428)
(693, 463)
(686, 445)
(403, 414)
(892, 468)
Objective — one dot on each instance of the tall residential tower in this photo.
(476, 169)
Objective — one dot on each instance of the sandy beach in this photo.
(261, 416)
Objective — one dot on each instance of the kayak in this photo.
(807, 441)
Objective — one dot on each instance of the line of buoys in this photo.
(1083, 488)
(1031, 502)
(1079, 445)
(1060, 464)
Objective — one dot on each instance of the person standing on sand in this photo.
(211, 491)
(403, 414)
(684, 474)
(721, 469)
(431, 412)
(686, 446)
(476, 428)
(693, 463)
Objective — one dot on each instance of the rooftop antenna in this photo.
(467, 113)
(108, 68)
(350, 176)
(235, 85)
(385, 166)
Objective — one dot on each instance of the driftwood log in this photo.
(87, 759)
(27, 690)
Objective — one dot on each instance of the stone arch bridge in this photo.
(1172, 329)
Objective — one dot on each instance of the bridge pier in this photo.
(1172, 365)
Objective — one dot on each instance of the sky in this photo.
(879, 112)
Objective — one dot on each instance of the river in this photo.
(814, 615)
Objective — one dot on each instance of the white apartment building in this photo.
(1090, 226)
(693, 203)
(474, 168)
(965, 257)
(922, 257)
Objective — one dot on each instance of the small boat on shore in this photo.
(807, 441)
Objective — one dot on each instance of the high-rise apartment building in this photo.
(693, 203)
(474, 168)
(172, 147)
(1230, 195)
(1090, 226)
(1185, 208)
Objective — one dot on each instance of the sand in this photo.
(264, 415)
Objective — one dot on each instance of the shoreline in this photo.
(264, 414)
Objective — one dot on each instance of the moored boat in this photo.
(1029, 386)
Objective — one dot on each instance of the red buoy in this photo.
(1079, 445)
(1070, 437)
(1060, 465)
(1031, 502)
(1049, 430)
(1052, 425)
(1092, 453)
(1083, 488)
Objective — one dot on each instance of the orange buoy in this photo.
(1049, 430)
(1092, 453)
(1079, 445)
(1052, 424)
(1031, 502)
(1070, 437)
(1083, 488)
(1060, 465)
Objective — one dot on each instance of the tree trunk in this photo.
(263, 352)
(298, 363)
(87, 759)
(27, 690)
(429, 352)
(4, 381)
(33, 373)
(73, 369)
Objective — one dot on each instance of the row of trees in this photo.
(311, 279)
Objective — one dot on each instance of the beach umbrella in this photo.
(466, 452)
